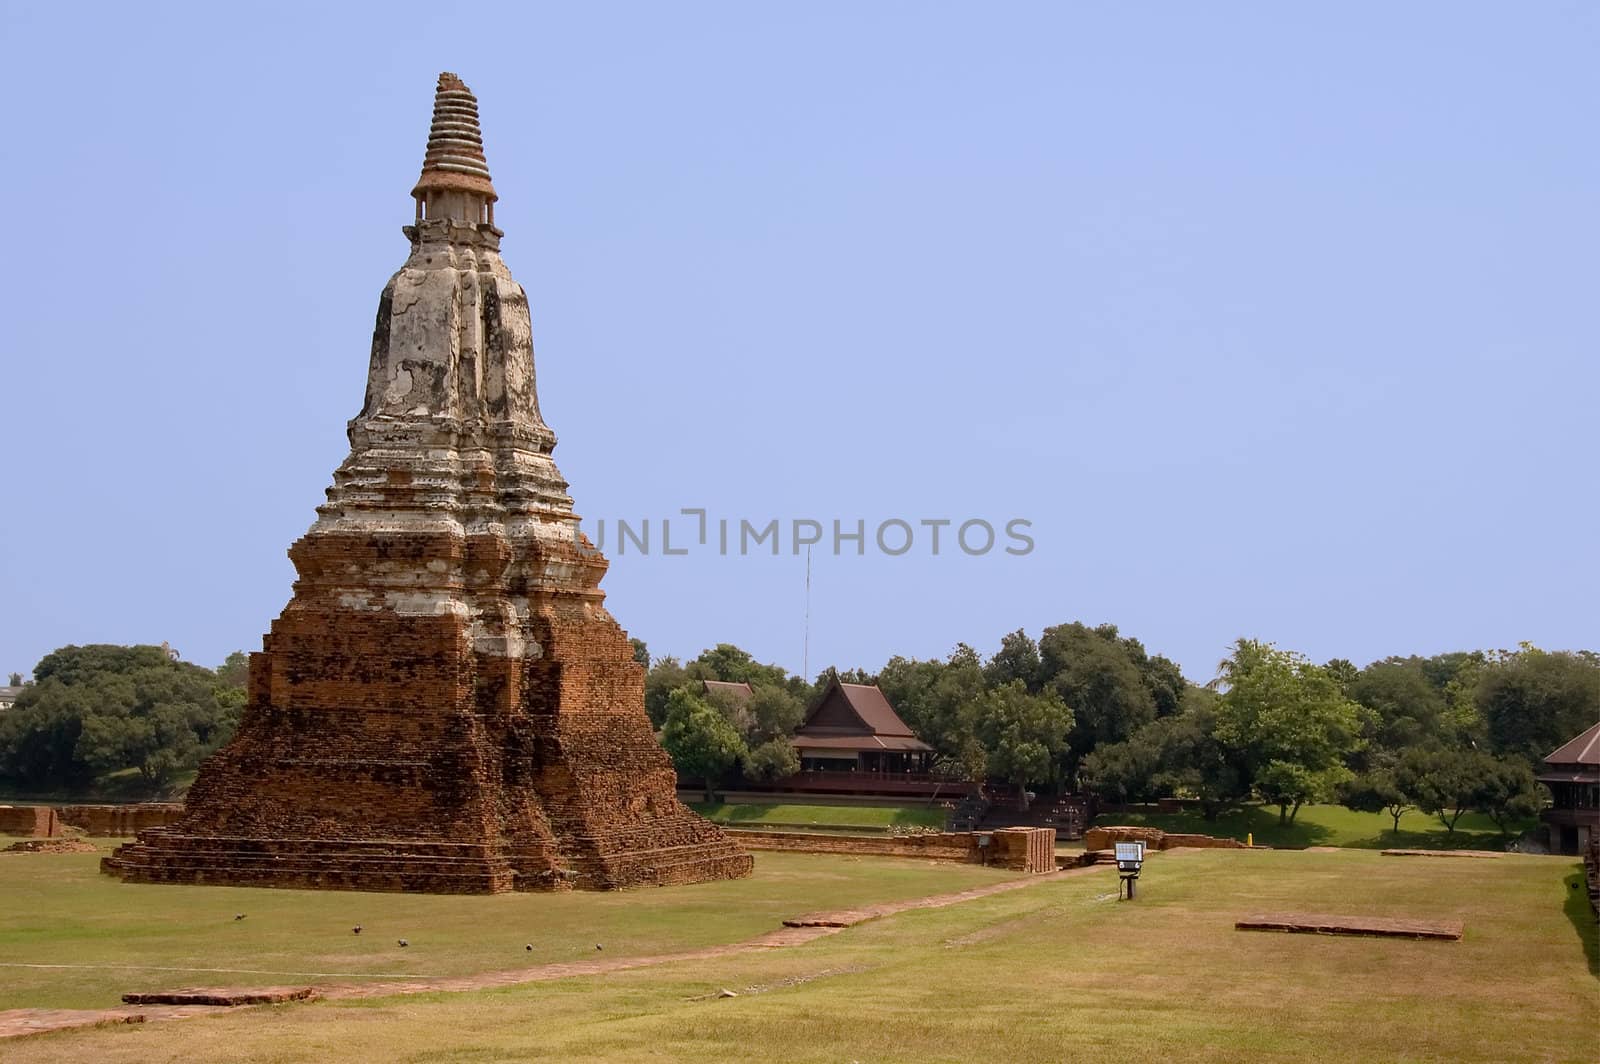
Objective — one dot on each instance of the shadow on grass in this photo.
(1326, 826)
(1581, 913)
(1431, 840)
(1251, 820)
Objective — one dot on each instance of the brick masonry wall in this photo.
(29, 821)
(119, 821)
(1023, 849)
(1104, 838)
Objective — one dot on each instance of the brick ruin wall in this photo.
(1022, 849)
(119, 821)
(100, 821)
(29, 821)
(1103, 838)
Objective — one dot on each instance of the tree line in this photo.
(101, 710)
(1079, 708)
(1085, 708)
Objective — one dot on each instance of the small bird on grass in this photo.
(598, 946)
(238, 916)
(356, 930)
(404, 943)
(529, 947)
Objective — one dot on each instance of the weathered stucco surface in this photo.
(445, 704)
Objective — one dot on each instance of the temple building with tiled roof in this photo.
(1572, 773)
(853, 728)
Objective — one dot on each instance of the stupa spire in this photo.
(445, 704)
(455, 179)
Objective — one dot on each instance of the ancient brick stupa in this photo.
(445, 704)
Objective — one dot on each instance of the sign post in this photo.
(1130, 859)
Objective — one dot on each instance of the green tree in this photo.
(775, 712)
(1093, 671)
(1022, 733)
(1385, 787)
(234, 670)
(774, 759)
(728, 663)
(1447, 782)
(1407, 708)
(1133, 770)
(101, 709)
(664, 677)
(1343, 671)
(1016, 660)
(641, 652)
(1196, 763)
(1533, 700)
(1163, 679)
(1290, 721)
(1508, 792)
(16, 679)
(936, 698)
(700, 740)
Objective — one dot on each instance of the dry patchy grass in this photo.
(1060, 971)
(116, 937)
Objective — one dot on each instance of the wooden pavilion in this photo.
(1573, 775)
(853, 728)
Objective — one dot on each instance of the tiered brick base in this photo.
(382, 752)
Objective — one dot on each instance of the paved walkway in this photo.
(797, 931)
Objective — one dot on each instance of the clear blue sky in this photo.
(1274, 322)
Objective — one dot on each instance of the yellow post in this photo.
(1249, 838)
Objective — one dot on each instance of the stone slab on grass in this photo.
(1371, 926)
(259, 995)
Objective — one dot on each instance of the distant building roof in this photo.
(739, 692)
(856, 716)
(9, 694)
(1582, 750)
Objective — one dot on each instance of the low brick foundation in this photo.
(119, 821)
(1023, 849)
(101, 821)
(29, 821)
(1103, 838)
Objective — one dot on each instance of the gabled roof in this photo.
(1582, 750)
(872, 713)
(874, 709)
(739, 692)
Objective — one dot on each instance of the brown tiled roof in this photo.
(739, 692)
(874, 709)
(1583, 750)
(874, 717)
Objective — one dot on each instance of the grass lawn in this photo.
(59, 909)
(854, 817)
(1330, 825)
(1061, 971)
